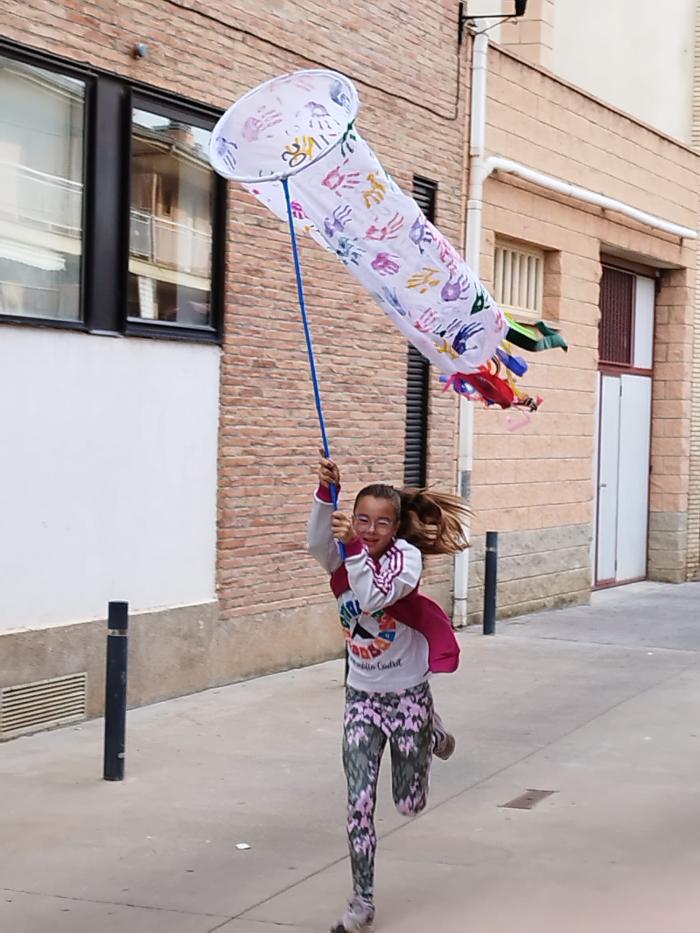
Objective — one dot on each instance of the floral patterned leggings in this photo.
(405, 719)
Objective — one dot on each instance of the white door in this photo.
(623, 426)
(608, 479)
(633, 477)
(623, 478)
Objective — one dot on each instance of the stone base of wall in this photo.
(179, 651)
(174, 651)
(668, 546)
(542, 569)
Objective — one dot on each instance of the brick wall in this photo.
(269, 432)
(413, 114)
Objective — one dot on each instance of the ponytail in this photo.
(431, 521)
(434, 521)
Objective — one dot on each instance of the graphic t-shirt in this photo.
(384, 655)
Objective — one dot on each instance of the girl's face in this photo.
(375, 524)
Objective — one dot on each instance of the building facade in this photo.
(638, 526)
(160, 426)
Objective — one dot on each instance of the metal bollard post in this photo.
(490, 575)
(115, 691)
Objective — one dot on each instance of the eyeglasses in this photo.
(365, 523)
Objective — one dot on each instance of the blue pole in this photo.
(309, 343)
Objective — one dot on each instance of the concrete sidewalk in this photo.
(599, 704)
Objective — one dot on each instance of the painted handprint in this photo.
(340, 96)
(443, 346)
(389, 295)
(303, 82)
(388, 231)
(338, 180)
(255, 126)
(480, 302)
(226, 150)
(298, 151)
(337, 221)
(460, 344)
(454, 289)
(447, 253)
(499, 321)
(319, 118)
(427, 321)
(376, 191)
(349, 251)
(386, 264)
(421, 233)
(424, 280)
(348, 142)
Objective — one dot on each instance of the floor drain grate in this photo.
(528, 800)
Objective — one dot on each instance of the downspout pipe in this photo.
(477, 176)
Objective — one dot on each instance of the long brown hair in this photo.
(431, 521)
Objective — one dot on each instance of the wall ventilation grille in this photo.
(42, 704)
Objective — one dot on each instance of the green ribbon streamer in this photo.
(539, 336)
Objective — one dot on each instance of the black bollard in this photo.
(490, 576)
(115, 691)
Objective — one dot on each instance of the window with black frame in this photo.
(42, 177)
(77, 247)
(171, 220)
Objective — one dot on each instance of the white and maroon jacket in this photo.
(395, 635)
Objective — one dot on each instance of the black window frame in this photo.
(70, 70)
(106, 208)
(417, 424)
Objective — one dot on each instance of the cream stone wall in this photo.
(636, 55)
(535, 485)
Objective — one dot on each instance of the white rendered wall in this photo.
(634, 54)
(108, 474)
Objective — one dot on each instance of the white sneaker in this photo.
(357, 918)
(443, 741)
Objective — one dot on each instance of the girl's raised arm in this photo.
(320, 541)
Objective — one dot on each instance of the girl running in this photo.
(395, 637)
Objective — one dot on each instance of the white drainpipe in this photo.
(499, 164)
(479, 170)
(477, 176)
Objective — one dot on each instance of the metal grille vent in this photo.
(425, 196)
(518, 280)
(418, 372)
(416, 429)
(616, 333)
(42, 704)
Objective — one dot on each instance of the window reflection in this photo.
(41, 191)
(171, 221)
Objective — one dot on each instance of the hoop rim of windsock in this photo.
(271, 143)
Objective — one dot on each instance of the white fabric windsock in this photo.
(301, 127)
